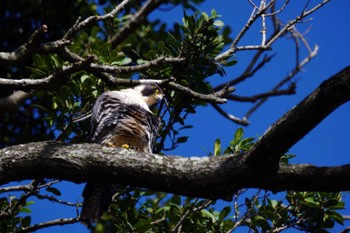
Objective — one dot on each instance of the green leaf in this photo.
(237, 137)
(217, 147)
(224, 213)
(273, 203)
(37, 60)
(25, 222)
(337, 217)
(182, 139)
(141, 61)
(84, 77)
(160, 46)
(206, 213)
(53, 191)
(262, 222)
(218, 23)
(25, 210)
(231, 63)
(309, 201)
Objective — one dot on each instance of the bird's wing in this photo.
(105, 116)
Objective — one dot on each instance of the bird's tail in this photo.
(97, 198)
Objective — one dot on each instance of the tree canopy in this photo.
(57, 57)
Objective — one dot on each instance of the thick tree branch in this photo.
(300, 120)
(207, 177)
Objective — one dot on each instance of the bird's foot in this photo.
(125, 146)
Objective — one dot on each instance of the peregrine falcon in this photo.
(120, 119)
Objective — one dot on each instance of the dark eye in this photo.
(148, 90)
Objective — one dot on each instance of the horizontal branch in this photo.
(135, 68)
(253, 98)
(206, 177)
(211, 98)
(57, 222)
(25, 84)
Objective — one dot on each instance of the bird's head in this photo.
(151, 93)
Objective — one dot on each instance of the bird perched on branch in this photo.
(120, 119)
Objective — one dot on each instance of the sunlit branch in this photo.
(289, 91)
(233, 48)
(54, 199)
(211, 98)
(57, 222)
(230, 116)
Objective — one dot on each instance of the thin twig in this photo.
(47, 81)
(137, 68)
(295, 21)
(211, 98)
(289, 91)
(83, 24)
(178, 226)
(285, 80)
(233, 48)
(54, 199)
(57, 222)
(231, 117)
(23, 51)
(136, 20)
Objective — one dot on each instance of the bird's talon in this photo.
(125, 146)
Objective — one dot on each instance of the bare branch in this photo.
(136, 20)
(289, 91)
(279, 10)
(230, 117)
(205, 97)
(23, 51)
(80, 25)
(249, 71)
(16, 188)
(233, 48)
(262, 13)
(60, 74)
(285, 80)
(54, 199)
(57, 222)
(291, 23)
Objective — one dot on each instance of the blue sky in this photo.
(325, 145)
